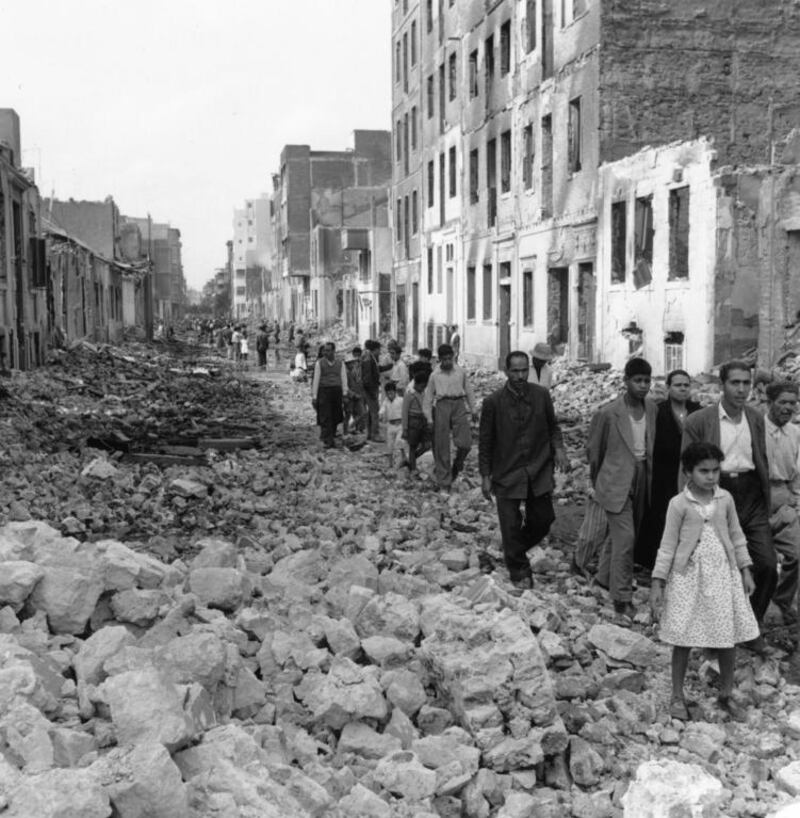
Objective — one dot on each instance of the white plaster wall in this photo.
(663, 305)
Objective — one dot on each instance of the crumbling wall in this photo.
(725, 69)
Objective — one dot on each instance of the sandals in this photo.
(679, 710)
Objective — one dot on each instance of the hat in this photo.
(542, 352)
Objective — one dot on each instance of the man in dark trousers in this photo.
(739, 431)
(327, 393)
(520, 442)
(371, 383)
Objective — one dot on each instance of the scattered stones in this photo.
(668, 787)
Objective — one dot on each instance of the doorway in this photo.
(504, 324)
(586, 305)
(414, 317)
(558, 308)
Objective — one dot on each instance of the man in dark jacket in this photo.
(519, 444)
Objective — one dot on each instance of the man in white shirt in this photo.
(738, 429)
(783, 456)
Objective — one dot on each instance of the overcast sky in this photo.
(180, 108)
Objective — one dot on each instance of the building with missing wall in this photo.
(603, 176)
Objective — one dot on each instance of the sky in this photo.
(180, 108)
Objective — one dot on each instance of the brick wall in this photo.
(681, 69)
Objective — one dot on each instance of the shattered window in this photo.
(471, 293)
(618, 242)
(505, 161)
(679, 233)
(574, 136)
(643, 242)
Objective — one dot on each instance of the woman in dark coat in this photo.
(672, 414)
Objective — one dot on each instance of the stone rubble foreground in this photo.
(343, 655)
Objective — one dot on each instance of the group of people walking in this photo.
(705, 497)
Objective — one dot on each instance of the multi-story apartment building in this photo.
(253, 250)
(580, 164)
(332, 234)
(407, 157)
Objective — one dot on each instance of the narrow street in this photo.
(206, 614)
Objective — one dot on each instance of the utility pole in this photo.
(148, 285)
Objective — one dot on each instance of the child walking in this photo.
(416, 432)
(702, 577)
(392, 412)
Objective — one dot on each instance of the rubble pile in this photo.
(282, 631)
(376, 675)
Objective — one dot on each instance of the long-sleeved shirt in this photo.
(783, 453)
(450, 383)
(328, 374)
(399, 374)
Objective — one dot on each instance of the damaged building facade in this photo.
(608, 178)
(252, 283)
(23, 262)
(333, 245)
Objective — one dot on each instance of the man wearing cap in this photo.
(448, 406)
(540, 371)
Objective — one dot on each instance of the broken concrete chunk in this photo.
(221, 588)
(99, 648)
(68, 593)
(18, 578)
(362, 740)
(623, 644)
(403, 775)
(146, 706)
(670, 787)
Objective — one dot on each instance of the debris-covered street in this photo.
(205, 613)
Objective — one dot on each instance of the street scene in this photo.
(438, 453)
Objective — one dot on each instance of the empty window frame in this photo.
(505, 162)
(679, 233)
(574, 137)
(487, 292)
(527, 298)
(547, 166)
(488, 60)
(398, 140)
(405, 61)
(406, 144)
(471, 308)
(452, 71)
(439, 270)
(505, 48)
(530, 25)
(474, 171)
(414, 212)
(398, 61)
(430, 94)
(414, 126)
(429, 16)
(431, 184)
(452, 169)
(527, 157)
(413, 43)
(643, 233)
(430, 271)
(491, 179)
(619, 241)
(473, 74)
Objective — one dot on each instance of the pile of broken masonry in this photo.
(334, 650)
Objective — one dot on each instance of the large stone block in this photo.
(665, 787)
(222, 588)
(142, 782)
(58, 794)
(623, 644)
(97, 649)
(145, 707)
(68, 593)
(18, 578)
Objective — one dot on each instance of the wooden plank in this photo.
(164, 459)
(228, 444)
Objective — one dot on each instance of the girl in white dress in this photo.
(702, 578)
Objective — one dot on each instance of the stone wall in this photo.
(674, 70)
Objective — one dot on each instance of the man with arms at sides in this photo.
(739, 430)
(448, 405)
(519, 444)
(620, 454)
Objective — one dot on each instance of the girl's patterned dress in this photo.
(705, 605)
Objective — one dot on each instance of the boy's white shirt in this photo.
(391, 410)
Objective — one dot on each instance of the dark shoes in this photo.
(486, 562)
(731, 708)
(624, 608)
(456, 469)
(757, 646)
(522, 584)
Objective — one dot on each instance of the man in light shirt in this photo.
(739, 431)
(449, 405)
(783, 456)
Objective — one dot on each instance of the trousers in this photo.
(520, 535)
(449, 417)
(615, 569)
(754, 519)
(785, 526)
